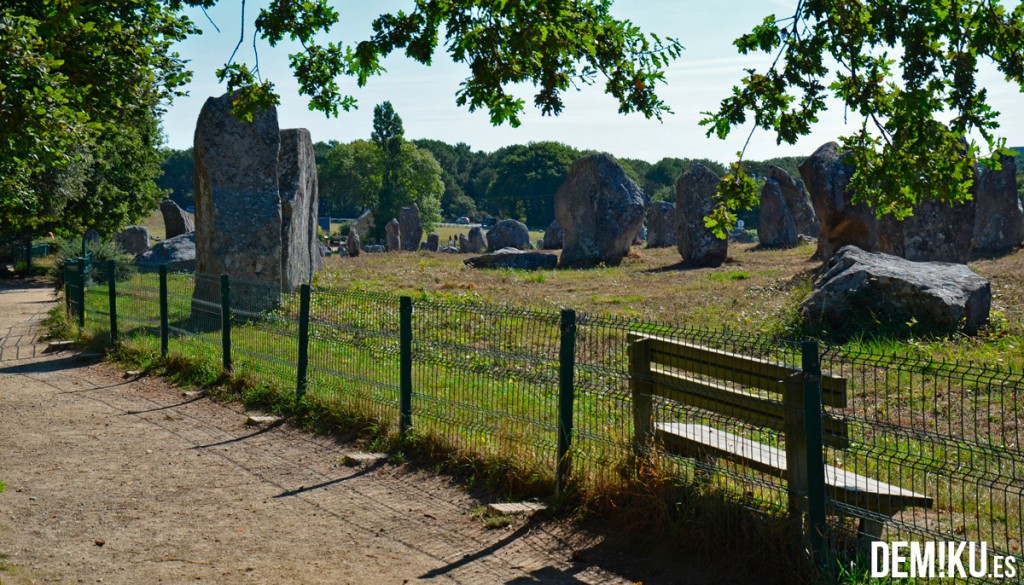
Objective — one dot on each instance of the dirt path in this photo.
(120, 480)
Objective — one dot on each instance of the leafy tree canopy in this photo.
(905, 70)
(80, 86)
(527, 178)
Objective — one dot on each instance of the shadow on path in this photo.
(265, 429)
(303, 489)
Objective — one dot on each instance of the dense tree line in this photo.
(517, 181)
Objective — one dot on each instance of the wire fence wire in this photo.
(950, 431)
(486, 378)
(928, 450)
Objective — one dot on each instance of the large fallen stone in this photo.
(178, 253)
(177, 221)
(133, 239)
(507, 233)
(514, 258)
(601, 210)
(410, 228)
(826, 173)
(554, 237)
(661, 224)
(862, 289)
(999, 216)
(297, 180)
(238, 205)
(696, 197)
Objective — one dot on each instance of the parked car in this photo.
(462, 220)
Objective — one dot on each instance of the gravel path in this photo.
(118, 479)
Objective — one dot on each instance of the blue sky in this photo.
(425, 96)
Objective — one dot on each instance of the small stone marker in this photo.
(60, 345)
(360, 458)
(516, 508)
(261, 420)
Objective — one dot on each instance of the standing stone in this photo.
(999, 220)
(238, 204)
(177, 221)
(776, 228)
(363, 224)
(507, 233)
(476, 243)
(410, 228)
(936, 232)
(826, 173)
(554, 236)
(297, 180)
(601, 210)
(661, 224)
(393, 237)
(797, 200)
(352, 244)
(133, 239)
(433, 241)
(92, 236)
(696, 197)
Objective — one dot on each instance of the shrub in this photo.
(102, 252)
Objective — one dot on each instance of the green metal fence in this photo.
(563, 396)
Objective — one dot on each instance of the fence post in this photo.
(81, 292)
(300, 384)
(112, 295)
(566, 370)
(164, 321)
(225, 320)
(67, 290)
(815, 458)
(405, 366)
(28, 256)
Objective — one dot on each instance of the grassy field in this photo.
(755, 291)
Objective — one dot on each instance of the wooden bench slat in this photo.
(843, 486)
(754, 410)
(733, 367)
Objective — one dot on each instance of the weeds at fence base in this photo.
(57, 325)
(664, 512)
(500, 477)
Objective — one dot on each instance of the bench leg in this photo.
(870, 530)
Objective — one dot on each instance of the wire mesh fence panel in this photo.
(653, 399)
(264, 332)
(97, 300)
(138, 305)
(73, 288)
(353, 354)
(485, 379)
(194, 315)
(949, 432)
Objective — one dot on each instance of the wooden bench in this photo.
(761, 394)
